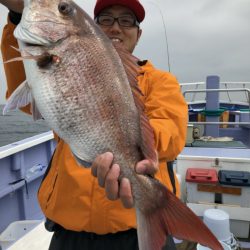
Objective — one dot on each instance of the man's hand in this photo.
(108, 174)
(15, 5)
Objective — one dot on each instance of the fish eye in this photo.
(65, 8)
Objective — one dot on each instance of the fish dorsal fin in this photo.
(132, 70)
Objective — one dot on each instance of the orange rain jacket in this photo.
(70, 195)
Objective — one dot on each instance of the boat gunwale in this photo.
(26, 143)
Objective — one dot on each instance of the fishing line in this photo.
(165, 31)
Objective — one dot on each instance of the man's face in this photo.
(128, 36)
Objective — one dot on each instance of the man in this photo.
(97, 213)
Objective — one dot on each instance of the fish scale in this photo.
(99, 111)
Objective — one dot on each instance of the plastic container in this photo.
(239, 216)
(218, 222)
(15, 231)
(201, 175)
(195, 176)
(236, 179)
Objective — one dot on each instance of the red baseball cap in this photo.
(134, 5)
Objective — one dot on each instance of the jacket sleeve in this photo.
(168, 113)
(14, 71)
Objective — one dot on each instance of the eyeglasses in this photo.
(123, 21)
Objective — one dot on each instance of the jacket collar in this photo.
(145, 66)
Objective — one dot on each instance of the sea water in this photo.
(16, 125)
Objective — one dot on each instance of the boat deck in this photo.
(39, 238)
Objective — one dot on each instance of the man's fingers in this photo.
(146, 167)
(101, 166)
(125, 193)
(111, 182)
(108, 177)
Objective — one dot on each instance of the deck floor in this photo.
(39, 238)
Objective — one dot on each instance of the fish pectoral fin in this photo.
(172, 217)
(21, 97)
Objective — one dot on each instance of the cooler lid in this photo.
(234, 178)
(201, 175)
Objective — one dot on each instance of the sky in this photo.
(196, 38)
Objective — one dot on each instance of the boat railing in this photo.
(227, 96)
(221, 83)
(246, 90)
(220, 123)
(217, 90)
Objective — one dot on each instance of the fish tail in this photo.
(170, 216)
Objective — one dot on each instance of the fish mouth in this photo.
(31, 45)
(29, 38)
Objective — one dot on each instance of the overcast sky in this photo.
(205, 37)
